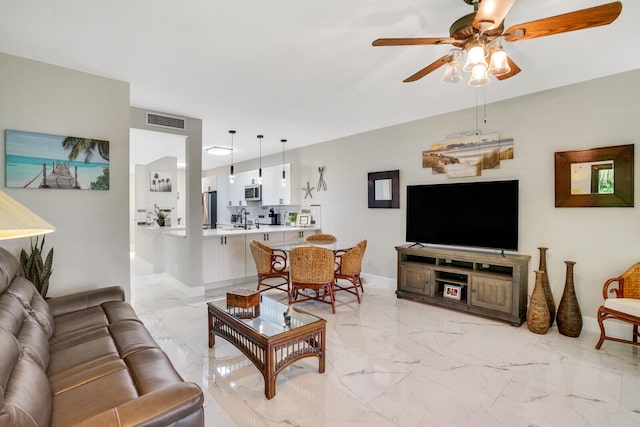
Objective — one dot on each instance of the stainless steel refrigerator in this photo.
(209, 209)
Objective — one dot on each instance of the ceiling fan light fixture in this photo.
(479, 76)
(498, 65)
(452, 73)
(475, 56)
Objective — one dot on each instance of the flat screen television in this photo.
(476, 214)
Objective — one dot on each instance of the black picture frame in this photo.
(394, 201)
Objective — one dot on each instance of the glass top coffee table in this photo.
(269, 340)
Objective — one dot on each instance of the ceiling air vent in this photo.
(165, 121)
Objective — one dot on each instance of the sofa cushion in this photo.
(626, 305)
(78, 376)
(79, 354)
(151, 370)
(26, 399)
(34, 343)
(131, 336)
(12, 313)
(82, 320)
(91, 398)
(9, 267)
(117, 311)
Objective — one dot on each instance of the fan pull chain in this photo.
(484, 102)
(477, 128)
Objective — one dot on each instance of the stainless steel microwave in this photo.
(253, 193)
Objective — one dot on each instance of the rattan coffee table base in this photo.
(269, 354)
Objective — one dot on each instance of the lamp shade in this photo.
(18, 221)
(475, 57)
(479, 76)
(498, 65)
(452, 73)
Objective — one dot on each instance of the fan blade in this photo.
(429, 68)
(514, 70)
(413, 41)
(491, 13)
(578, 20)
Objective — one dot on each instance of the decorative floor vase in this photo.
(569, 317)
(538, 313)
(546, 287)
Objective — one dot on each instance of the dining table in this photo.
(339, 245)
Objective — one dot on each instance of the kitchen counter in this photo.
(215, 232)
(253, 230)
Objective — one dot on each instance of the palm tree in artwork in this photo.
(77, 146)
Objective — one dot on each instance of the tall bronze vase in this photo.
(538, 312)
(569, 317)
(548, 295)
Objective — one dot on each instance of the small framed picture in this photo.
(452, 292)
(304, 220)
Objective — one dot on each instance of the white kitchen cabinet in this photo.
(266, 237)
(209, 183)
(273, 193)
(234, 194)
(223, 258)
(297, 235)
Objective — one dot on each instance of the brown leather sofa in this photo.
(83, 359)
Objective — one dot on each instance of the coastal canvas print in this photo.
(40, 160)
(160, 182)
(467, 155)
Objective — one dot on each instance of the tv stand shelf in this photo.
(491, 285)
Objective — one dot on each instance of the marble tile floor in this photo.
(393, 362)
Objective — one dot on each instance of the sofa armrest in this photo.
(82, 300)
(161, 407)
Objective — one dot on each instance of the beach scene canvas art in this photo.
(40, 160)
(467, 155)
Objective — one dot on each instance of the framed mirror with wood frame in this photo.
(384, 189)
(595, 177)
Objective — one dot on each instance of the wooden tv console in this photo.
(487, 284)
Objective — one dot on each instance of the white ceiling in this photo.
(297, 69)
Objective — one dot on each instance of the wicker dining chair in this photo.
(271, 265)
(624, 307)
(321, 239)
(312, 269)
(348, 268)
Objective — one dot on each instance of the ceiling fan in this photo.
(479, 34)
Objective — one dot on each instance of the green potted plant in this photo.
(159, 215)
(34, 268)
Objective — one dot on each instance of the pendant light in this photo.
(231, 175)
(284, 178)
(260, 168)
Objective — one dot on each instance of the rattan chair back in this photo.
(630, 284)
(624, 307)
(321, 238)
(351, 260)
(311, 265)
(262, 256)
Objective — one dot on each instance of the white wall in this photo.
(187, 251)
(92, 239)
(603, 241)
(164, 200)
